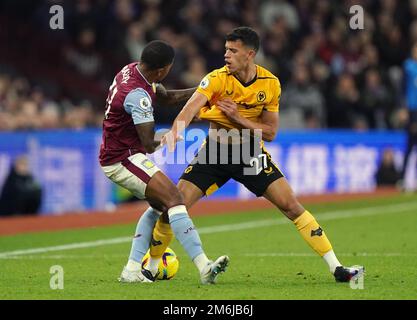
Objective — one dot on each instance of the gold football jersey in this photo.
(262, 93)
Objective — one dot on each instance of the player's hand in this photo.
(170, 139)
(229, 108)
(159, 90)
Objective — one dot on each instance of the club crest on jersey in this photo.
(261, 96)
(204, 83)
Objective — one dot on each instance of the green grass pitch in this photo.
(269, 259)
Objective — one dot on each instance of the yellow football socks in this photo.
(161, 238)
(312, 233)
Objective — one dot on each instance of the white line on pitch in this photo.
(331, 215)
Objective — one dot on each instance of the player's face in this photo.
(237, 55)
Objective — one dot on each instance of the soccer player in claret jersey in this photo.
(128, 134)
(242, 97)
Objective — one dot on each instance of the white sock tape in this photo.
(177, 210)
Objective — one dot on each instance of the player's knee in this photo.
(292, 208)
(190, 193)
(182, 188)
(173, 199)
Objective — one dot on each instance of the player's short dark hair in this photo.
(247, 35)
(157, 54)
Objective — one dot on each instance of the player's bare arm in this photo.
(268, 120)
(146, 133)
(172, 97)
(184, 118)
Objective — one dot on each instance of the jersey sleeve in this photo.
(138, 104)
(273, 105)
(211, 85)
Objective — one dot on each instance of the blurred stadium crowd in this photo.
(332, 76)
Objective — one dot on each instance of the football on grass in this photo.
(168, 266)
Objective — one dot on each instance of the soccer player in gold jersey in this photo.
(239, 97)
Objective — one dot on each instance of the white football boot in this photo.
(213, 269)
(130, 276)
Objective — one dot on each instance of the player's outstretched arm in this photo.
(172, 97)
(184, 118)
(268, 121)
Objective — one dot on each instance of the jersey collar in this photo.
(137, 69)
(246, 84)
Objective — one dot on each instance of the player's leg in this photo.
(142, 237)
(197, 180)
(161, 189)
(282, 196)
(158, 239)
(162, 233)
(271, 184)
(190, 192)
(133, 174)
(162, 236)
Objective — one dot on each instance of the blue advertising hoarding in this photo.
(65, 163)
